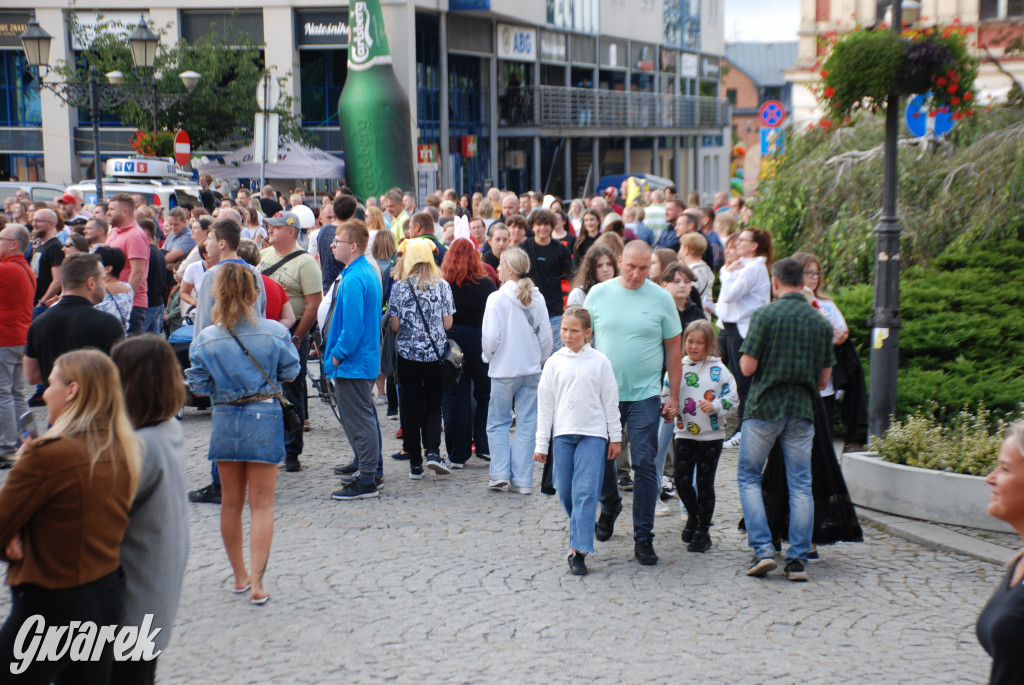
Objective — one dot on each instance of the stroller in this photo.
(181, 341)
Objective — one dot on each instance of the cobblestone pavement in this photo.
(442, 580)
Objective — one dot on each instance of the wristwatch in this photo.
(296, 339)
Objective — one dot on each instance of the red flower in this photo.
(955, 101)
(824, 73)
(830, 91)
(951, 73)
(968, 95)
(826, 124)
(941, 81)
(969, 112)
(957, 116)
(952, 88)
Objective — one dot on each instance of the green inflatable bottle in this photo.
(374, 110)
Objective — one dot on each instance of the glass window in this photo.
(19, 93)
(1014, 8)
(770, 93)
(322, 76)
(730, 94)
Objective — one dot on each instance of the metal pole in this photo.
(94, 114)
(156, 102)
(266, 125)
(885, 318)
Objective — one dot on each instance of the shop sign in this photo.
(12, 25)
(468, 146)
(327, 28)
(688, 66)
(517, 43)
(553, 47)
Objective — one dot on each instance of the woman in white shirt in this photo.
(746, 286)
(515, 341)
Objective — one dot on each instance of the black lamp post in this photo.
(98, 96)
(885, 319)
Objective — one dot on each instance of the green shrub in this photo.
(967, 443)
(961, 342)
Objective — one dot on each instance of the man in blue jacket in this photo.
(353, 355)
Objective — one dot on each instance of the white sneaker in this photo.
(497, 484)
(521, 490)
(661, 508)
(733, 442)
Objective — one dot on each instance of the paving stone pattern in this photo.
(442, 580)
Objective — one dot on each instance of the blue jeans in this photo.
(154, 321)
(641, 418)
(577, 472)
(556, 332)
(795, 436)
(513, 461)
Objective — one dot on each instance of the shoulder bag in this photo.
(292, 420)
(449, 363)
(269, 271)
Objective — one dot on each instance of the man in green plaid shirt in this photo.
(788, 351)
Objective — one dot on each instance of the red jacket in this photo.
(18, 285)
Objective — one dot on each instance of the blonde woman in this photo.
(374, 224)
(64, 511)
(420, 310)
(241, 361)
(516, 339)
(1000, 623)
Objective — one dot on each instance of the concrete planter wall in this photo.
(951, 498)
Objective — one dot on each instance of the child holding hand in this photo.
(578, 402)
(706, 395)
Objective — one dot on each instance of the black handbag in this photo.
(450, 363)
(388, 348)
(292, 418)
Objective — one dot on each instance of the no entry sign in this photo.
(182, 148)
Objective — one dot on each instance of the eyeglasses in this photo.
(813, 274)
(67, 245)
(343, 242)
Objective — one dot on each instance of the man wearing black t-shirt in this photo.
(550, 263)
(209, 197)
(73, 323)
(47, 257)
(270, 206)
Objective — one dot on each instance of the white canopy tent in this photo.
(293, 161)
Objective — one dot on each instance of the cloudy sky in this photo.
(761, 20)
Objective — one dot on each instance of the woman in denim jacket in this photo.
(247, 435)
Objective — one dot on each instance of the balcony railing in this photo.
(588, 108)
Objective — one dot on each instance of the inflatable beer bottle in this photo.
(374, 110)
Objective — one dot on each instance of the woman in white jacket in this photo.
(578, 401)
(516, 339)
(745, 287)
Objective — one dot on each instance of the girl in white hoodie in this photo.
(515, 341)
(578, 401)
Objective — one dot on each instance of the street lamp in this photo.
(98, 96)
(885, 318)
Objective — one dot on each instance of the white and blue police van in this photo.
(157, 179)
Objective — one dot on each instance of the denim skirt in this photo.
(247, 432)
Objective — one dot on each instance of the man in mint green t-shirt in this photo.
(636, 326)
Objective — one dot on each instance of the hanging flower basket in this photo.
(155, 144)
(864, 66)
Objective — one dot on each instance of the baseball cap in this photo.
(67, 198)
(284, 219)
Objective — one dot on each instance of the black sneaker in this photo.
(701, 542)
(401, 456)
(795, 571)
(577, 563)
(346, 469)
(37, 399)
(813, 555)
(210, 494)
(606, 524)
(643, 550)
(688, 529)
(759, 568)
(436, 464)
(356, 490)
(353, 477)
(626, 483)
(291, 463)
(416, 472)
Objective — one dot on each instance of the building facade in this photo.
(546, 96)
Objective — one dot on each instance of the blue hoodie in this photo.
(353, 337)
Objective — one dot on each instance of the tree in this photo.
(222, 107)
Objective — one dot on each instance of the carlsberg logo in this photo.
(359, 50)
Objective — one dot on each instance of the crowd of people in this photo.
(621, 344)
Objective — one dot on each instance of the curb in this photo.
(936, 537)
